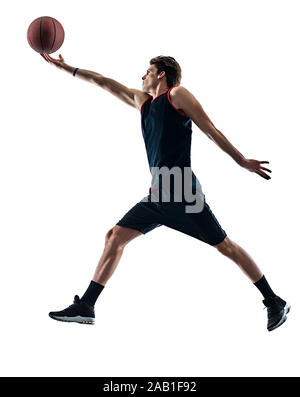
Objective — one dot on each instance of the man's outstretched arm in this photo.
(130, 96)
(183, 99)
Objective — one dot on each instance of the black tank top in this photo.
(167, 133)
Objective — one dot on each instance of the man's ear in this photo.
(161, 74)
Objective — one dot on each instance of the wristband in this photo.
(75, 70)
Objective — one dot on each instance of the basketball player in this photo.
(167, 111)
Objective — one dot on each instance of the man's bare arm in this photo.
(130, 96)
(183, 99)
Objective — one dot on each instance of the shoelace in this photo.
(271, 310)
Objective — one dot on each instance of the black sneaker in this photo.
(277, 311)
(79, 312)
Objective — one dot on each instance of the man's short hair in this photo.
(170, 66)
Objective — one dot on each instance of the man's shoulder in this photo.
(178, 91)
(178, 95)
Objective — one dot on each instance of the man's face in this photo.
(150, 79)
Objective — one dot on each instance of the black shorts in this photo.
(146, 216)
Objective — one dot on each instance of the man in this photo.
(167, 110)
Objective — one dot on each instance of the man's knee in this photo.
(226, 247)
(114, 238)
(119, 236)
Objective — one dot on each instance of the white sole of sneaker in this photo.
(286, 309)
(76, 319)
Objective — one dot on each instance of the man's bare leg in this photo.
(277, 307)
(82, 310)
(236, 253)
(115, 242)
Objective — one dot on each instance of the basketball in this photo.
(45, 35)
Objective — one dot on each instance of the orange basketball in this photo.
(45, 35)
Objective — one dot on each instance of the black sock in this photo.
(91, 294)
(264, 288)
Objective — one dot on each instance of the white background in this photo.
(73, 161)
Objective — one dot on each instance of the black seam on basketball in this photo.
(54, 34)
(41, 33)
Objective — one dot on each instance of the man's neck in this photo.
(160, 89)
